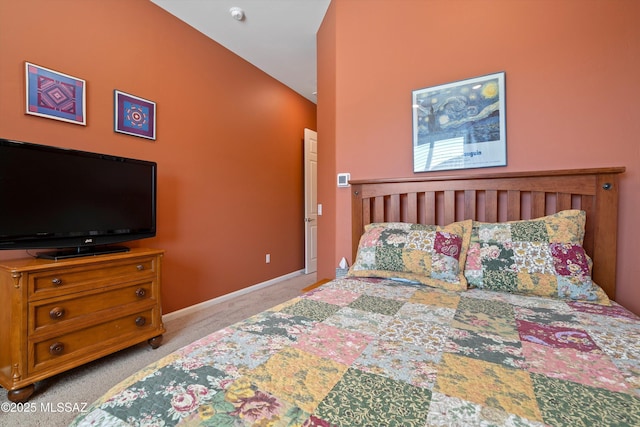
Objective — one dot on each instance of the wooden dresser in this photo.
(57, 315)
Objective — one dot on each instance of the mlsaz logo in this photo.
(88, 240)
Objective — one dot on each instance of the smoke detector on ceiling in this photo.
(237, 13)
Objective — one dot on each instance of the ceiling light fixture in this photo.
(237, 13)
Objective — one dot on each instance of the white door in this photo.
(310, 201)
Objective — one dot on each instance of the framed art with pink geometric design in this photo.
(55, 95)
(134, 115)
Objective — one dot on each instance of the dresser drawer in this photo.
(94, 341)
(62, 311)
(48, 283)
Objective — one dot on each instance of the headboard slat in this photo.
(514, 204)
(394, 208)
(470, 203)
(563, 201)
(430, 207)
(412, 208)
(378, 209)
(449, 207)
(495, 197)
(538, 204)
(491, 205)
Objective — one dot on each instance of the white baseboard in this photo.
(218, 300)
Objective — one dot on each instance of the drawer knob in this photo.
(139, 267)
(140, 292)
(56, 313)
(56, 348)
(140, 321)
(56, 281)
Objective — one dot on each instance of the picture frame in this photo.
(460, 125)
(55, 95)
(134, 115)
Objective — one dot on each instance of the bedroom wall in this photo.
(229, 137)
(571, 94)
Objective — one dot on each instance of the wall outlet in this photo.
(267, 258)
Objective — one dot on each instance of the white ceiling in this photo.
(277, 36)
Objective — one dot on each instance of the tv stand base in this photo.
(81, 251)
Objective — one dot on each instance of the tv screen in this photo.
(78, 201)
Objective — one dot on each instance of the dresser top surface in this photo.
(21, 264)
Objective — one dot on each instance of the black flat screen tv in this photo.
(77, 202)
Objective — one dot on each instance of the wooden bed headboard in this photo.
(497, 197)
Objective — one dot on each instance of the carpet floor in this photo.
(56, 400)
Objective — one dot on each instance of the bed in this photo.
(486, 327)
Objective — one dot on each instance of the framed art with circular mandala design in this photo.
(134, 115)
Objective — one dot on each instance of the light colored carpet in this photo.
(56, 400)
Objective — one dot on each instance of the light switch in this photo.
(319, 209)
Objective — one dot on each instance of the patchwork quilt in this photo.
(378, 352)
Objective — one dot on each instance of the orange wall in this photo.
(229, 137)
(327, 94)
(572, 89)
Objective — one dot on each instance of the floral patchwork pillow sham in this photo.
(428, 254)
(542, 257)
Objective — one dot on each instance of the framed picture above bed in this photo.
(460, 125)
